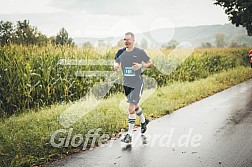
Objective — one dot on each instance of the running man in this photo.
(131, 60)
(250, 56)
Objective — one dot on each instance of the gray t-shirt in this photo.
(126, 59)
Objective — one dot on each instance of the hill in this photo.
(194, 35)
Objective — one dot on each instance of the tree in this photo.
(239, 12)
(219, 40)
(206, 45)
(62, 38)
(25, 33)
(42, 39)
(87, 45)
(6, 32)
(52, 40)
(171, 44)
(101, 43)
(234, 44)
(244, 45)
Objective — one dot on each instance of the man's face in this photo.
(128, 41)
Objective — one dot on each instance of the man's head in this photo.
(129, 40)
(250, 52)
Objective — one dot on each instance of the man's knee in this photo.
(132, 111)
(132, 108)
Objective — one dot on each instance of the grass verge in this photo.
(25, 138)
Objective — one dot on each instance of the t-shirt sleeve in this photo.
(145, 57)
(117, 56)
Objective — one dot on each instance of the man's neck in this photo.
(130, 49)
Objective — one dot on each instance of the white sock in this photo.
(140, 114)
(131, 121)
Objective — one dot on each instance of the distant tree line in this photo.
(25, 34)
(221, 43)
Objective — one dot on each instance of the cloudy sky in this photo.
(102, 18)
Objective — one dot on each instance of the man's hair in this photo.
(131, 34)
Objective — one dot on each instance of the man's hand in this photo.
(136, 66)
(116, 66)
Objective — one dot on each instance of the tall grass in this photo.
(31, 78)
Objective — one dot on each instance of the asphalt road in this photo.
(213, 132)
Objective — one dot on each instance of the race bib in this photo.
(128, 71)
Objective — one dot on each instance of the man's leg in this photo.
(131, 118)
(144, 122)
(139, 112)
(132, 115)
(131, 122)
(136, 95)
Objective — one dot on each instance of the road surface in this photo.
(213, 132)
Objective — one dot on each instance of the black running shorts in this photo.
(133, 94)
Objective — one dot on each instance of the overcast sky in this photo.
(102, 18)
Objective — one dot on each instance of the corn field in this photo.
(31, 76)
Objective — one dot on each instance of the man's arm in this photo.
(117, 61)
(147, 64)
(116, 66)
